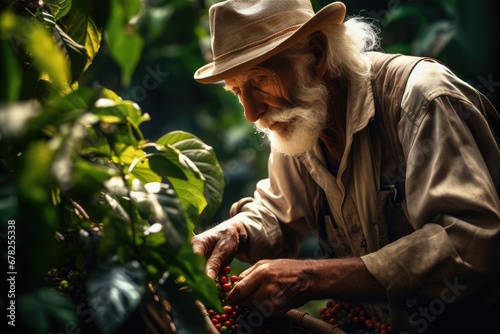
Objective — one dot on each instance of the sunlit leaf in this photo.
(136, 163)
(186, 182)
(49, 58)
(109, 94)
(82, 28)
(172, 208)
(59, 8)
(67, 143)
(117, 209)
(128, 111)
(165, 166)
(203, 156)
(76, 53)
(115, 291)
(159, 203)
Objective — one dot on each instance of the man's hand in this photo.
(220, 244)
(273, 286)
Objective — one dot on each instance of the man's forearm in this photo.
(344, 279)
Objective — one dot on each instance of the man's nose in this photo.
(253, 106)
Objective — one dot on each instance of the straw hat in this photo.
(247, 32)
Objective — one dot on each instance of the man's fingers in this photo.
(198, 249)
(219, 245)
(215, 261)
(242, 290)
(198, 246)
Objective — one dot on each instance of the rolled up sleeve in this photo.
(279, 214)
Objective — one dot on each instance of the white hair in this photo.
(347, 45)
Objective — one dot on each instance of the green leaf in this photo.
(74, 103)
(127, 111)
(203, 156)
(175, 227)
(185, 313)
(110, 95)
(10, 72)
(159, 203)
(163, 165)
(46, 55)
(117, 209)
(49, 59)
(81, 26)
(77, 53)
(68, 143)
(89, 178)
(136, 164)
(44, 307)
(59, 8)
(125, 44)
(187, 182)
(191, 267)
(115, 291)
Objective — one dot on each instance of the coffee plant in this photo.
(103, 216)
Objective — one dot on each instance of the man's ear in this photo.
(319, 44)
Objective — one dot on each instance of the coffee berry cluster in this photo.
(352, 318)
(227, 321)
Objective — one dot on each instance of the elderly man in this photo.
(391, 159)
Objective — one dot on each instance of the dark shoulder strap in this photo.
(390, 75)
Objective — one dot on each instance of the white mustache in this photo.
(277, 116)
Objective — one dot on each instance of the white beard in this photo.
(301, 132)
(304, 123)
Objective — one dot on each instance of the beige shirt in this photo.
(451, 168)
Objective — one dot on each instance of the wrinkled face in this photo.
(285, 101)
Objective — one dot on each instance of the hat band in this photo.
(257, 43)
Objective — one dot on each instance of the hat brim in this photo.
(332, 14)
